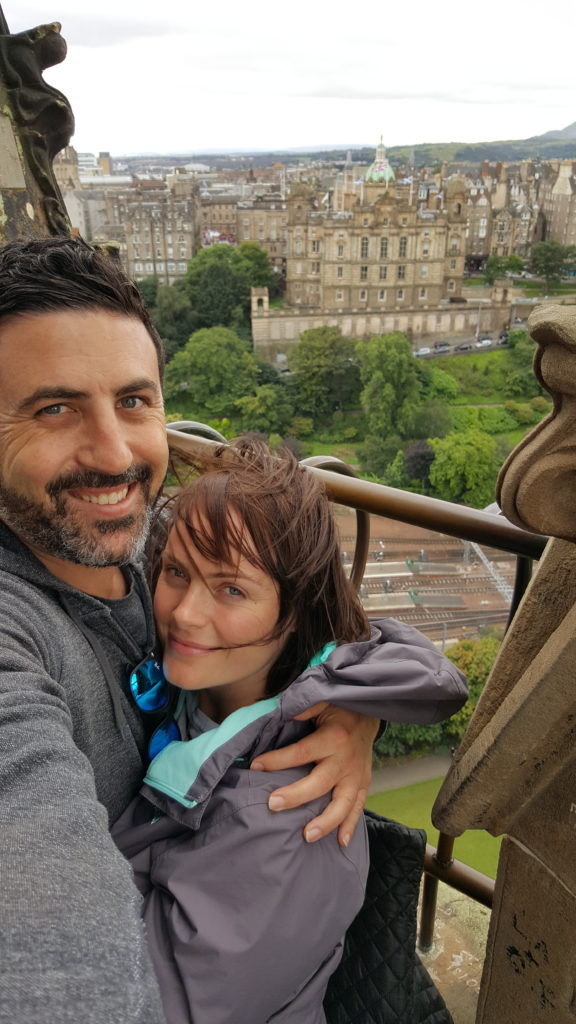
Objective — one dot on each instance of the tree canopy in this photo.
(219, 279)
(465, 467)
(326, 372)
(498, 266)
(213, 370)
(391, 388)
(268, 410)
(551, 260)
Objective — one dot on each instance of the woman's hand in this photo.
(341, 748)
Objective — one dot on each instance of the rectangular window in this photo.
(423, 293)
(383, 273)
(339, 271)
(382, 295)
(316, 246)
(383, 248)
(401, 272)
(339, 296)
(403, 246)
(363, 248)
(424, 271)
(363, 273)
(450, 286)
(400, 294)
(363, 295)
(425, 250)
(340, 251)
(315, 268)
(452, 264)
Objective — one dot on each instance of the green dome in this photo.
(380, 170)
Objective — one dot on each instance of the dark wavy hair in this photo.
(48, 275)
(285, 527)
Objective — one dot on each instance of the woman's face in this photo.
(203, 611)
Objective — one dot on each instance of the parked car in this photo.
(483, 343)
(423, 352)
(465, 347)
(441, 346)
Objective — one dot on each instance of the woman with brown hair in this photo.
(257, 622)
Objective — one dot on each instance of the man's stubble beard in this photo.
(58, 532)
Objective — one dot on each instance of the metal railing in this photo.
(430, 513)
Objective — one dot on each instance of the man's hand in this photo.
(341, 748)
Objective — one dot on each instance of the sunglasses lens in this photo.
(148, 685)
(164, 734)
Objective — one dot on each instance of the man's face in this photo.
(82, 434)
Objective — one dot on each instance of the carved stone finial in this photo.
(537, 484)
(36, 122)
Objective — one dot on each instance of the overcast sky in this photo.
(183, 76)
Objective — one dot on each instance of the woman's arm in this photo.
(341, 750)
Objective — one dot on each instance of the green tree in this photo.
(218, 287)
(213, 370)
(252, 261)
(465, 468)
(149, 290)
(391, 388)
(432, 419)
(520, 380)
(376, 455)
(551, 260)
(173, 317)
(495, 266)
(418, 458)
(475, 659)
(514, 263)
(269, 409)
(326, 372)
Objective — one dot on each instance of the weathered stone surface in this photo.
(529, 975)
(36, 122)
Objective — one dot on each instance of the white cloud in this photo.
(184, 77)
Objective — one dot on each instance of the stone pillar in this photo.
(36, 122)
(515, 771)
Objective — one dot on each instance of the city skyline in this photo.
(240, 78)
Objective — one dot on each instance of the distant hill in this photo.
(564, 133)
(553, 145)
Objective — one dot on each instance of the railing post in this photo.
(444, 858)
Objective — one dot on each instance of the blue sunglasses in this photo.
(151, 693)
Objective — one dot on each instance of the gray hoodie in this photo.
(245, 921)
(71, 939)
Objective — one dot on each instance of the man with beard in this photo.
(82, 459)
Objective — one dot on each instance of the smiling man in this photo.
(83, 455)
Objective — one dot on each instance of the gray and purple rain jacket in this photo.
(245, 920)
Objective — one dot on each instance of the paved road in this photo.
(419, 769)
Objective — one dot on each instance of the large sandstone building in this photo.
(375, 256)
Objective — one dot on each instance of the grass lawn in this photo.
(345, 451)
(412, 805)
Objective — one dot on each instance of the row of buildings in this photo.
(366, 249)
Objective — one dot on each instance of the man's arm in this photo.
(341, 748)
(71, 941)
